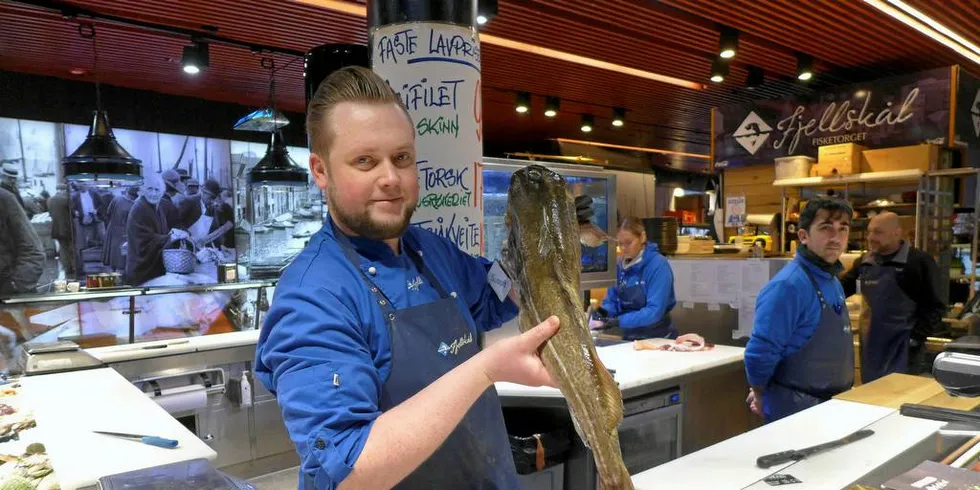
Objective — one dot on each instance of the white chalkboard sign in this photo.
(435, 68)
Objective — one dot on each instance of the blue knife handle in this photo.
(159, 442)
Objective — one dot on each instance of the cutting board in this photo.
(895, 389)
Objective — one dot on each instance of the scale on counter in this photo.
(55, 357)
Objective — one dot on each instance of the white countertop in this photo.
(637, 368)
(172, 347)
(839, 468)
(731, 463)
(69, 406)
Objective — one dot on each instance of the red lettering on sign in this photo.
(478, 111)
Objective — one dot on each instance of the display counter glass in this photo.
(115, 316)
(598, 263)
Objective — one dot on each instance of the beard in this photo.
(361, 223)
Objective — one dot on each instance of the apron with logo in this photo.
(823, 368)
(427, 341)
(885, 347)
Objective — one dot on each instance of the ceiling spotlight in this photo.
(804, 67)
(728, 45)
(719, 70)
(588, 120)
(756, 77)
(486, 11)
(196, 58)
(619, 117)
(551, 106)
(523, 102)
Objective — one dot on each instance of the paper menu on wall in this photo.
(755, 274)
(746, 316)
(703, 281)
(682, 280)
(716, 281)
(727, 281)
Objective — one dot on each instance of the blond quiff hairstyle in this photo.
(348, 84)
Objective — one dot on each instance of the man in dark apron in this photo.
(371, 341)
(801, 350)
(898, 282)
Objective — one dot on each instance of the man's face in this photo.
(883, 236)
(369, 174)
(152, 189)
(827, 236)
(207, 197)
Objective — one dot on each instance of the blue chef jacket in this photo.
(325, 320)
(787, 313)
(653, 273)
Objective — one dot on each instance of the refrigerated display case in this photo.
(598, 263)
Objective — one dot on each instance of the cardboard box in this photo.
(917, 157)
(842, 159)
(793, 167)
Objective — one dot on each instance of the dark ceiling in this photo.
(850, 40)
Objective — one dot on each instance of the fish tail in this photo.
(613, 474)
(619, 481)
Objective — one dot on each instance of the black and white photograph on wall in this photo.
(171, 230)
(276, 222)
(31, 232)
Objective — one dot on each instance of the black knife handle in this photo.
(778, 458)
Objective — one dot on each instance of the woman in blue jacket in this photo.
(638, 306)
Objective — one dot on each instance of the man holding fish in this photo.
(371, 345)
(801, 351)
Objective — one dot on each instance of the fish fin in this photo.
(581, 434)
(610, 395)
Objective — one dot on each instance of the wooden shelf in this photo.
(896, 176)
(888, 206)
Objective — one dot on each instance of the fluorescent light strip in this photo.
(633, 148)
(924, 29)
(361, 11)
(935, 25)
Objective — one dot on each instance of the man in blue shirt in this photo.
(370, 344)
(801, 351)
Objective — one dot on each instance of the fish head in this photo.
(543, 249)
(539, 206)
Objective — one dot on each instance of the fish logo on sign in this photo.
(415, 284)
(752, 133)
(975, 112)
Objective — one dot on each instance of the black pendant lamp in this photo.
(276, 167)
(100, 158)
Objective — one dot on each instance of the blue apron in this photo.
(824, 367)
(633, 298)
(885, 346)
(476, 455)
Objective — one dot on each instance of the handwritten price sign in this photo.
(435, 68)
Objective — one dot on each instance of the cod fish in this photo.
(544, 258)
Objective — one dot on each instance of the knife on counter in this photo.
(770, 460)
(150, 440)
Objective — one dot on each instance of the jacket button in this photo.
(372, 270)
(319, 444)
(453, 294)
